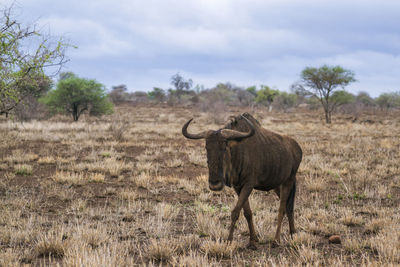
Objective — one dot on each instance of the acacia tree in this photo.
(25, 53)
(75, 95)
(321, 83)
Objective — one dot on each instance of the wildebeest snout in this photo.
(216, 186)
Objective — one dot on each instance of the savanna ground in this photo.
(129, 189)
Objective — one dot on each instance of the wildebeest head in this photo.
(218, 145)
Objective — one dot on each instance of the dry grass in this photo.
(129, 190)
(160, 250)
(50, 244)
(77, 178)
(219, 248)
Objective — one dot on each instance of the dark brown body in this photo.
(262, 160)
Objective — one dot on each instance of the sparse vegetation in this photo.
(90, 194)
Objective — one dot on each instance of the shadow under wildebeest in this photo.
(246, 156)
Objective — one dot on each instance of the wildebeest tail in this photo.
(290, 200)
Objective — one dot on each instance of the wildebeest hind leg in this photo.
(289, 208)
(249, 217)
(284, 190)
(243, 197)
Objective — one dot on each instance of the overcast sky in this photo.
(142, 43)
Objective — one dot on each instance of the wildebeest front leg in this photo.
(249, 217)
(243, 197)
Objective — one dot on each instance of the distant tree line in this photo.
(318, 87)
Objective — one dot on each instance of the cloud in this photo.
(92, 38)
(143, 43)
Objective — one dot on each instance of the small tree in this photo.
(322, 83)
(181, 85)
(75, 95)
(25, 53)
(388, 100)
(252, 90)
(29, 107)
(157, 94)
(365, 99)
(118, 94)
(266, 95)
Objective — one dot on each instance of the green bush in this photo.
(75, 95)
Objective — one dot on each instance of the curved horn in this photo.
(229, 122)
(191, 136)
(235, 135)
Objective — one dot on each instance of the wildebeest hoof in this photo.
(252, 246)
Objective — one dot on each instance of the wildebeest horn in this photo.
(192, 136)
(235, 135)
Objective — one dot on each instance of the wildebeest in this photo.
(246, 156)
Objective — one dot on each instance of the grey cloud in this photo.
(143, 43)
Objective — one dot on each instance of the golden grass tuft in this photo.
(301, 239)
(111, 254)
(219, 248)
(161, 250)
(349, 219)
(19, 156)
(174, 163)
(208, 225)
(128, 195)
(375, 226)
(50, 244)
(46, 160)
(77, 178)
(188, 243)
(193, 260)
(354, 244)
(167, 211)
